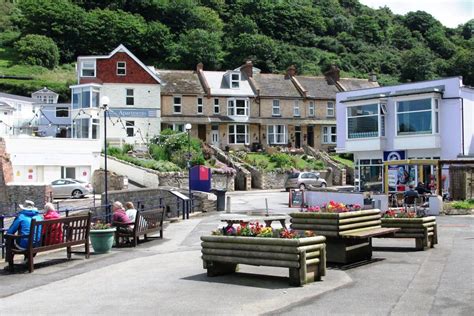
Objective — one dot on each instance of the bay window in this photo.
(237, 107)
(276, 134)
(363, 121)
(85, 97)
(238, 134)
(414, 117)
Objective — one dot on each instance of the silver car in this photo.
(70, 188)
(301, 180)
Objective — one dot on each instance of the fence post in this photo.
(2, 242)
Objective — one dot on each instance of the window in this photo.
(296, 109)
(62, 112)
(436, 115)
(370, 174)
(199, 105)
(129, 98)
(276, 134)
(121, 68)
(311, 110)
(362, 121)
(18, 107)
(330, 109)
(81, 128)
(95, 128)
(178, 127)
(176, 104)
(329, 134)
(88, 68)
(130, 126)
(238, 134)
(237, 107)
(414, 117)
(235, 81)
(216, 106)
(276, 108)
(85, 97)
(50, 99)
(383, 110)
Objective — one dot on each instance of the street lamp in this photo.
(188, 127)
(105, 106)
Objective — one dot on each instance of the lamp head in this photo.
(187, 126)
(105, 101)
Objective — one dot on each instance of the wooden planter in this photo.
(348, 234)
(423, 229)
(305, 257)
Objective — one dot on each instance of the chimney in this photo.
(247, 68)
(372, 77)
(332, 74)
(199, 66)
(290, 72)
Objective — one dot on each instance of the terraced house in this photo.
(244, 107)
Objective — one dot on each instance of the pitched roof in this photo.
(180, 82)
(348, 84)
(275, 85)
(318, 87)
(17, 97)
(44, 90)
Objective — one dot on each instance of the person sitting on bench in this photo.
(120, 216)
(55, 233)
(22, 224)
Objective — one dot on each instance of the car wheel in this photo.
(323, 185)
(302, 186)
(76, 194)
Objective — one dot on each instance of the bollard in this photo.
(228, 205)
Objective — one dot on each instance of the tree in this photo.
(417, 65)
(261, 49)
(400, 37)
(38, 50)
(462, 64)
(421, 21)
(367, 29)
(158, 40)
(195, 46)
(468, 29)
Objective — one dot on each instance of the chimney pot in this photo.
(290, 72)
(248, 68)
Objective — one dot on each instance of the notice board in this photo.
(296, 198)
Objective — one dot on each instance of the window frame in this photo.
(276, 107)
(235, 134)
(232, 110)
(377, 113)
(328, 134)
(119, 68)
(236, 81)
(94, 68)
(61, 109)
(311, 109)
(200, 105)
(178, 127)
(432, 111)
(296, 109)
(330, 109)
(176, 105)
(272, 135)
(217, 106)
(130, 126)
(129, 97)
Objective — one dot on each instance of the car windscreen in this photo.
(293, 175)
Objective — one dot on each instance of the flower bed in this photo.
(256, 245)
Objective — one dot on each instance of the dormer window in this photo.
(235, 81)
(121, 68)
(88, 68)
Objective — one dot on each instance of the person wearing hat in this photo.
(22, 224)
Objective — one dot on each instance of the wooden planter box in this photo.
(305, 257)
(349, 235)
(423, 229)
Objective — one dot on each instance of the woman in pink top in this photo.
(53, 234)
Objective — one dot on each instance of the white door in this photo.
(215, 135)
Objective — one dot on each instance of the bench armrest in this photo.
(11, 237)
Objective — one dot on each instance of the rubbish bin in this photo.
(220, 193)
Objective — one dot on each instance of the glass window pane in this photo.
(369, 109)
(86, 98)
(365, 126)
(414, 123)
(414, 105)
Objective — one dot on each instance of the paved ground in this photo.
(166, 277)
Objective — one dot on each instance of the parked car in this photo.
(70, 188)
(301, 180)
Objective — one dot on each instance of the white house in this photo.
(429, 119)
(17, 115)
(133, 90)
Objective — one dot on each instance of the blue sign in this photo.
(127, 112)
(200, 178)
(394, 155)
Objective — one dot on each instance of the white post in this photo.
(228, 205)
(266, 205)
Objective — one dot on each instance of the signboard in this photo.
(200, 178)
(126, 112)
(393, 155)
(296, 198)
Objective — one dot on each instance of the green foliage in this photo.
(38, 50)
(281, 160)
(417, 64)
(465, 205)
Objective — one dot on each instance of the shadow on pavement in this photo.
(244, 279)
(336, 266)
(20, 268)
(395, 249)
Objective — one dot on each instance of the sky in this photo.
(450, 13)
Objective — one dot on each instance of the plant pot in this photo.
(102, 239)
(423, 229)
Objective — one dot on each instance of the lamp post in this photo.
(188, 127)
(105, 106)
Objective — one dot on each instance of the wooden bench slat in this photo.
(369, 233)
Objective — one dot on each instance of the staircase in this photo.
(243, 179)
(339, 171)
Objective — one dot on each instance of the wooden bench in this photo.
(146, 222)
(75, 231)
(348, 235)
(305, 257)
(424, 230)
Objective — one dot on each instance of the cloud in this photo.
(450, 13)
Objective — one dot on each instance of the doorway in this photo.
(297, 136)
(215, 135)
(310, 136)
(202, 132)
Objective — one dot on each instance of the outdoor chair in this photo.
(415, 203)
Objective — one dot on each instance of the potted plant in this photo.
(102, 237)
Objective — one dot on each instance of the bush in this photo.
(281, 160)
(126, 148)
(38, 50)
(114, 151)
(464, 205)
(158, 152)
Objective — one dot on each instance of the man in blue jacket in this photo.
(22, 224)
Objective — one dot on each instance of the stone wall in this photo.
(223, 181)
(114, 181)
(6, 171)
(150, 198)
(18, 193)
(461, 182)
(276, 180)
(339, 174)
(243, 178)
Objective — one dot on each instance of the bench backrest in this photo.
(58, 233)
(151, 220)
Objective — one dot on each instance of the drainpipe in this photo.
(462, 119)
